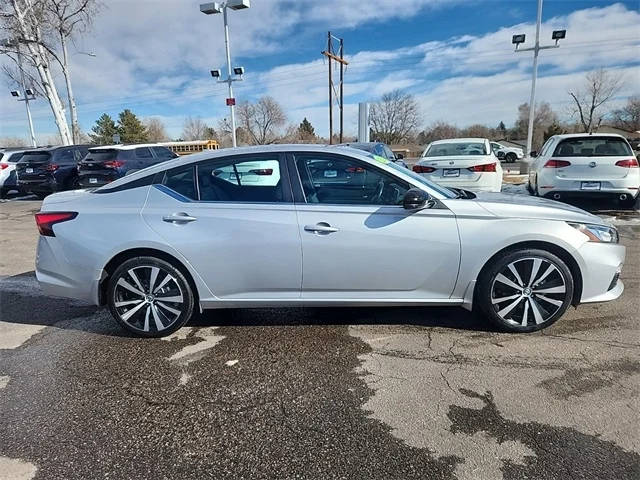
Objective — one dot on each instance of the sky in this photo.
(455, 57)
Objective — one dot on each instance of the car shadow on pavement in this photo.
(22, 302)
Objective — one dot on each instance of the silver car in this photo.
(327, 227)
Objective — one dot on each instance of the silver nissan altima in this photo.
(291, 225)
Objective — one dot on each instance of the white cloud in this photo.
(154, 57)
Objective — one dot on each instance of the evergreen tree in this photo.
(502, 127)
(306, 132)
(130, 128)
(103, 131)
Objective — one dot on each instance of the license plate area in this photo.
(451, 172)
(330, 173)
(29, 170)
(93, 180)
(590, 186)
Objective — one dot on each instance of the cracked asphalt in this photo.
(313, 393)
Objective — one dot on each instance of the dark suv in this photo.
(49, 170)
(106, 164)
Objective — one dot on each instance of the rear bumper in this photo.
(549, 184)
(48, 185)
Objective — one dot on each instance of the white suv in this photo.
(586, 165)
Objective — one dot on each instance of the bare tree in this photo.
(194, 128)
(438, 131)
(66, 18)
(24, 21)
(628, 117)
(544, 117)
(394, 118)
(155, 130)
(262, 120)
(9, 142)
(598, 88)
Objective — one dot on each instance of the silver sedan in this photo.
(292, 225)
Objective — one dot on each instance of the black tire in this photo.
(3, 192)
(511, 157)
(150, 312)
(41, 195)
(522, 310)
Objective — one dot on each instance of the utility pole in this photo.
(232, 101)
(331, 56)
(517, 40)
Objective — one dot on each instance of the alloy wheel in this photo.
(528, 291)
(148, 298)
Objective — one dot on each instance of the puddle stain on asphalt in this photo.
(583, 456)
(418, 375)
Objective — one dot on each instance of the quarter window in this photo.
(143, 152)
(255, 180)
(181, 180)
(346, 181)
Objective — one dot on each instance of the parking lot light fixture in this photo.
(212, 8)
(15, 93)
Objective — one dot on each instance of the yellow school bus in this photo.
(195, 146)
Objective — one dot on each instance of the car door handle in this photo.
(321, 228)
(180, 217)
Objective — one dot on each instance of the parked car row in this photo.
(45, 170)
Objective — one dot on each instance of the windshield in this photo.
(593, 147)
(456, 149)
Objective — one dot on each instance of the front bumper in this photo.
(600, 264)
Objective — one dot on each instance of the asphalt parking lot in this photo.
(314, 393)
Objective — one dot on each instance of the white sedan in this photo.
(465, 163)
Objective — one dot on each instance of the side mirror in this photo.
(416, 198)
(399, 156)
(533, 154)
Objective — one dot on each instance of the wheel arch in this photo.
(556, 250)
(113, 263)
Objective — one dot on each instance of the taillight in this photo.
(628, 163)
(3, 166)
(423, 169)
(52, 167)
(487, 167)
(556, 163)
(114, 164)
(46, 221)
(355, 170)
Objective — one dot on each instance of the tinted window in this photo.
(346, 181)
(35, 157)
(163, 153)
(65, 155)
(101, 155)
(12, 157)
(181, 180)
(254, 180)
(592, 147)
(143, 152)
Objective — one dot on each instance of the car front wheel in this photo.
(525, 290)
(149, 297)
(511, 157)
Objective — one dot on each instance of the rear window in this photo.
(101, 155)
(11, 157)
(35, 157)
(593, 147)
(456, 149)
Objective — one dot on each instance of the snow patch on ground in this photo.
(13, 335)
(15, 469)
(194, 352)
(4, 381)
(231, 363)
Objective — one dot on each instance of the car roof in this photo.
(588, 135)
(120, 146)
(358, 144)
(224, 152)
(54, 148)
(460, 140)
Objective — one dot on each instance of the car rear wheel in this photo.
(511, 157)
(149, 297)
(525, 290)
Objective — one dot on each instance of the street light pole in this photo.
(517, 40)
(229, 79)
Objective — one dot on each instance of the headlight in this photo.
(598, 233)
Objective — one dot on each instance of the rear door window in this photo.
(255, 179)
(593, 147)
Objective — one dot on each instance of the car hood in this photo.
(521, 206)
